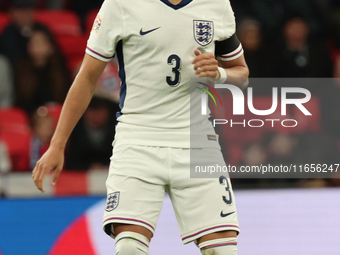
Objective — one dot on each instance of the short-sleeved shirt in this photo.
(154, 41)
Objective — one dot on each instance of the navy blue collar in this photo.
(178, 6)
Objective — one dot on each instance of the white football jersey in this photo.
(155, 41)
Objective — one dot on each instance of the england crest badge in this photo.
(112, 201)
(203, 32)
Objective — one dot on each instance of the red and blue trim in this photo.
(95, 52)
(208, 229)
(231, 56)
(128, 219)
(217, 245)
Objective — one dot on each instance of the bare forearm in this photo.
(238, 75)
(77, 100)
(237, 72)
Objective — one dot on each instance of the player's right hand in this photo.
(53, 159)
(206, 65)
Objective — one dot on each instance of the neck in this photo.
(175, 2)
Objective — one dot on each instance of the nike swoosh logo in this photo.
(225, 215)
(141, 32)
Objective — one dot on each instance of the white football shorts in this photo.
(140, 175)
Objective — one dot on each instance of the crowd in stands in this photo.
(42, 43)
(293, 39)
(40, 53)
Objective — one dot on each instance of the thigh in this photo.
(217, 235)
(202, 205)
(135, 189)
(119, 228)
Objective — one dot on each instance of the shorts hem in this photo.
(130, 221)
(193, 235)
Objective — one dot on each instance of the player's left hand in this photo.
(206, 65)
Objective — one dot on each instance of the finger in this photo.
(209, 74)
(41, 178)
(34, 171)
(36, 168)
(55, 175)
(37, 180)
(207, 68)
(203, 56)
(205, 62)
(197, 53)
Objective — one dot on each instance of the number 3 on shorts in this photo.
(224, 181)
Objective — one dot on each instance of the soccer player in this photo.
(160, 45)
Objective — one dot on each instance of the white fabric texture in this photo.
(131, 243)
(223, 246)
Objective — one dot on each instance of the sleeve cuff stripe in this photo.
(231, 55)
(100, 55)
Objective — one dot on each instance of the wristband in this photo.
(223, 76)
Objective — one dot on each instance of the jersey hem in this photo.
(173, 138)
(97, 55)
(159, 141)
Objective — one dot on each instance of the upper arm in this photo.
(229, 52)
(107, 31)
(228, 49)
(91, 68)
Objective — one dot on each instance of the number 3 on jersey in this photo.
(175, 61)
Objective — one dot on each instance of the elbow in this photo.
(245, 78)
(246, 72)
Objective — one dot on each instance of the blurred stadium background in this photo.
(42, 44)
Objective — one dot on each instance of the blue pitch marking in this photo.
(31, 226)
